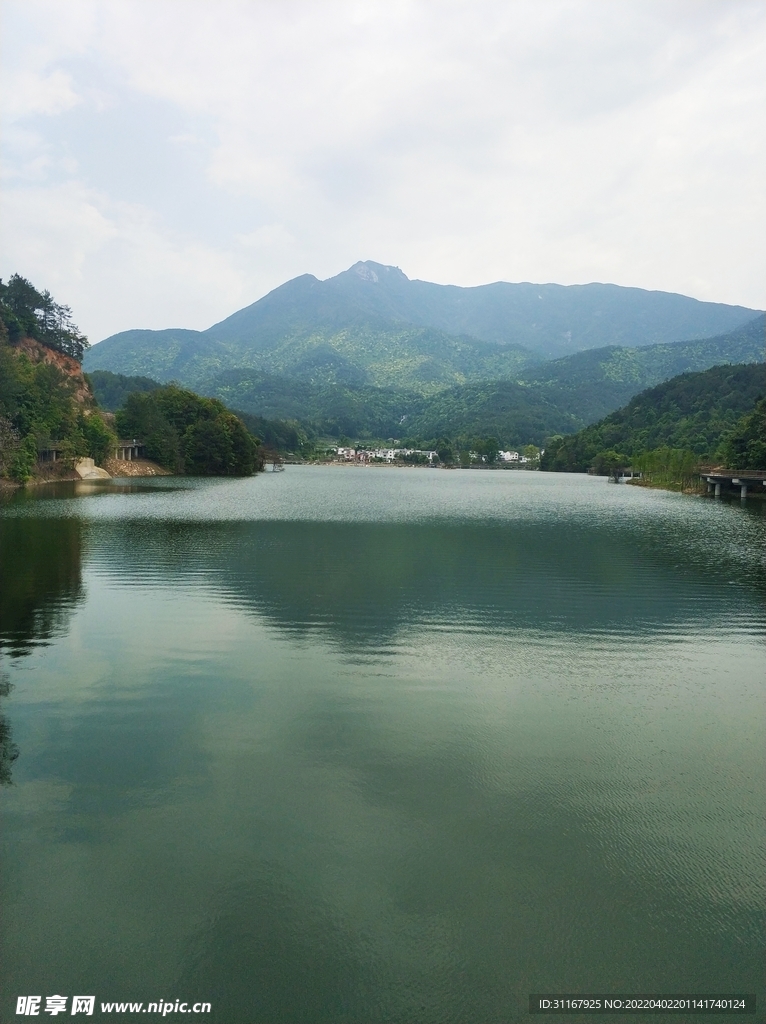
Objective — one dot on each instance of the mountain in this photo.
(330, 409)
(112, 389)
(375, 353)
(548, 319)
(513, 413)
(560, 396)
(371, 325)
(596, 382)
(692, 411)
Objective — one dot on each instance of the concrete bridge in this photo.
(730, 479)
(127, 450)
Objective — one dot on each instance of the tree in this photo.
(675, 467)
(20, 303)
(26, 311)
(445, 453)
(744, 447)
(10, 442)
(187, 433)
(99, 438)
(23, 460)
(609, 463)
(532, 454)
(487, 448)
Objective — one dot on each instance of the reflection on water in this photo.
(362, 583)
(8, 749)
(346, 745)
(41, 580)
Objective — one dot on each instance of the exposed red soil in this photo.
(39, 353)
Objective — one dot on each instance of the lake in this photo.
(381, 744)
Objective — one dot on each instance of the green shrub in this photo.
(100, 440)
(23, 460)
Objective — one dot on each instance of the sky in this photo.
(166, 162)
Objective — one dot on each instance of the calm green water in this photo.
(381, 745)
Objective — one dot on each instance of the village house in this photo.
(389, 455)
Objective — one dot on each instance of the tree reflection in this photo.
(40, 562)
(40, 581)
(8, 749)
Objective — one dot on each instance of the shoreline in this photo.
(694, 492)
(401, 465)
(114, 467)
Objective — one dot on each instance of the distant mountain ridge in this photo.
(548, 319)
(560, 396)
(372, 325)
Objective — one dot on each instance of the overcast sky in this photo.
(166, 162)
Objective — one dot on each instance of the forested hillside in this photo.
(329, 409)
(596, 382)
(373, 352)
(513, 413)
(43, 395)
(744, 446)
(47, 403)
(112, 389)
(692, 412)
(557, 397)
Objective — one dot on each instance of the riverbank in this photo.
(58, 472)
(135, 467)
(406, 465)
(678, 488)
(698, 490)
(49, 474)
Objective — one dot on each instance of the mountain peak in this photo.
(373, 272)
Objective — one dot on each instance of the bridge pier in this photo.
(745, 480)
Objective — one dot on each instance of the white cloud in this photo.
(33, 93)
(573, 140)
(83, 246)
